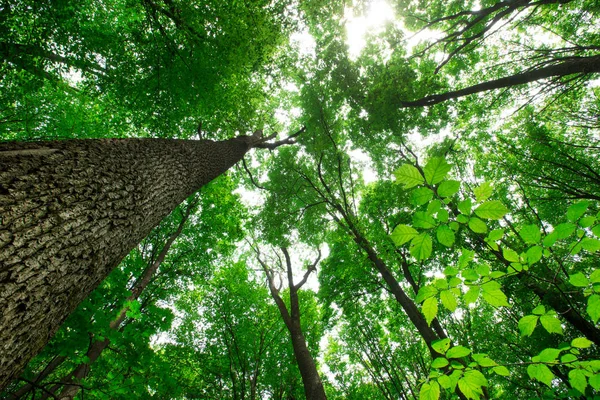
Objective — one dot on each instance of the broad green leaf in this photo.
(403, 234)
(409, 176)
(430, 391)
(462, 218)
(445, 235)
(501, 370)
(420, 247)
(448, 300)
(595, 276)
(426, 292)
(441, 345)
(483, 192)
(596, 230)
(581, 343)
(439, 362)
(586, 222)
(577, 210)
(448, 188)
(550, 239)
(541, 373)
(451, 271)
(531, 234)
(483, 360)
(491, 210)
(590, 244)
(465, 256)
(421, 196)
(494, 297)
(477, 225)
(551, 324)
(472, 295)
(578, 280)
(458, 352)
(534, 254)
(483, 270)
(496, 234)
(510, 255)
(445, 382)
(595, 381)
(443, 215)
(436, 169)
(578, 380)
(423, 220)
(465, 206)
(471, 384)
(434, 206)
(564, 230)
(549, 355)
(527, 324)
(539, 310)
(568, 358)
(430, 309)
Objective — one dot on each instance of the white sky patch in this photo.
(360, 158)
(305, 43)
(357, 26)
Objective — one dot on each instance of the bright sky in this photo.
(357, 26)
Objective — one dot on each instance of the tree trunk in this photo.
(71, 210)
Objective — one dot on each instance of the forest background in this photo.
(418, 218)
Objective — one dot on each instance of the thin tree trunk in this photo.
(71, 210)
(576, 65)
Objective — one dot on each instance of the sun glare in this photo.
(357, 25)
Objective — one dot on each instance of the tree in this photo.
(313, 386)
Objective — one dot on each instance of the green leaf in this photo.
(448, 300)
(421, 196)
(436, 169)
(590, 244)
(465, 206)
(470, 274)
(465, 256)
(426, 292)
(534, 254)
(596, 230)
(491, 210)
(527, 324)
(421, 246)
(551, 324)
(403, 234)
(441, 345)
(586, 222)
(595, 381)
(458, 352)
(462, 218)
(531, 234)
(448, 188)
(595, 276)
(565, 230)
(550, 239)
(472, 295)
(434, 206)
(578, 280)
(483, 192)
(581, 343)
(423, 220)
(510, 255)
(593, 307)
(494, 297)
(577, 210)
(443, 215)
(501, 370)
(578, 380)
(496, 234)
(470, 384)
(549, 355)
(430, 309)
(539, 310)
(445, 235)
(541, 373)
(483, 360)
(409, 176)
(439, 362)
(430, 391)
(477, 225)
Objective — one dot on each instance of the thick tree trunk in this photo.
(71, 210)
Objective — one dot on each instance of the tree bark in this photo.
(575, 65)
(71, 210)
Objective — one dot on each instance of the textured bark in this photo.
(71, 210)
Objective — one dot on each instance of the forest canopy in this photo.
(412, 211)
